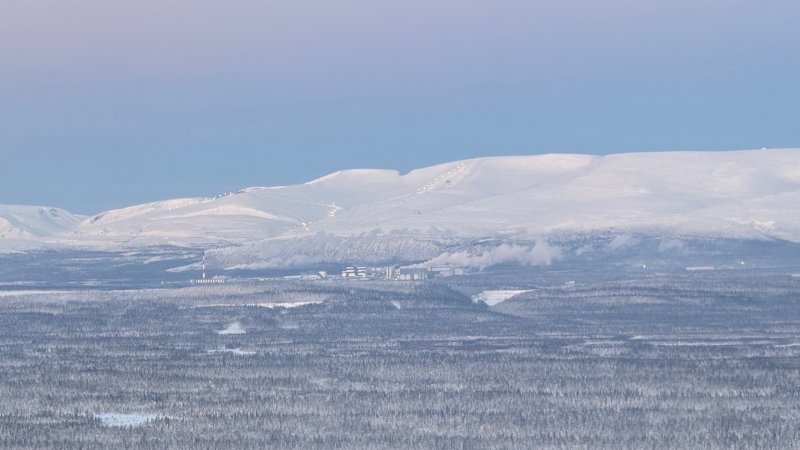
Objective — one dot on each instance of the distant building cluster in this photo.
(401, 273)
(357, 272)
(212, 280)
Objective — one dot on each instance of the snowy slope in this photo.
(249, 215)
(23, 227)
(739, 195)
(736, 194)
(743, 194)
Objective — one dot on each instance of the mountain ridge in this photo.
(750, 194)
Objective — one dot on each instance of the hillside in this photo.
(732, 195)
(25, 227)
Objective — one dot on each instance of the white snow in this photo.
(30, 292)
(126, 419)
(270, 305)
(742, 194)
(232, 328)
(234, 351)
(492, 298)
(288, 304)
(25, 227)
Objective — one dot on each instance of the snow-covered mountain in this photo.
(24, 227)
(418, 215)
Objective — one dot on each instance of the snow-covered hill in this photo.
(24, 227)
(737, 195)
(418, 215)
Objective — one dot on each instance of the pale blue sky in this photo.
(108, 103)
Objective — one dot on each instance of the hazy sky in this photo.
(108, 103)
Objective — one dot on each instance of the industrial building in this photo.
(355, 272)
(411, 273)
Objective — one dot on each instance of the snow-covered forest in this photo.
(682, 360)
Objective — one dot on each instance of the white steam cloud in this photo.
(623, 241)
(538, 254)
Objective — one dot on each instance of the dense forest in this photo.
(702, 360)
